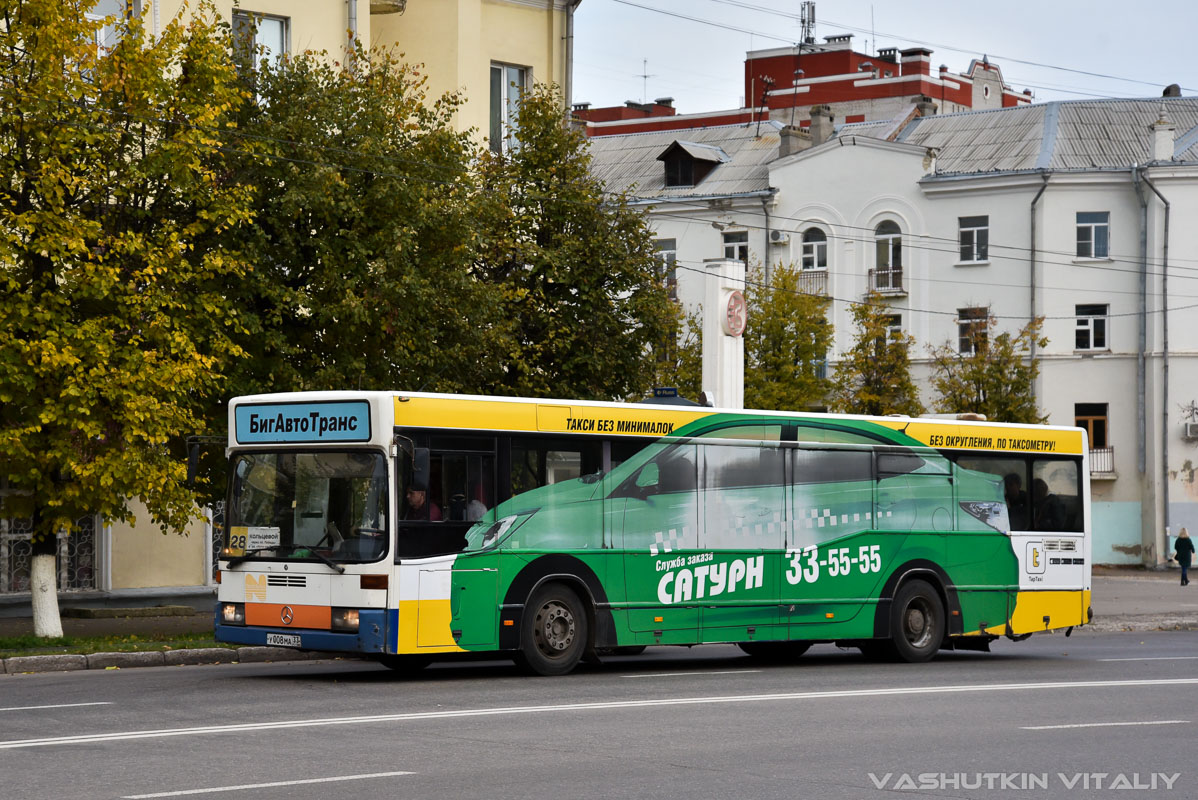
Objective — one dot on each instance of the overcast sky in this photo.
(1147, 43)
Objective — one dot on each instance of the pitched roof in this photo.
(628, 162)
(1064, 135)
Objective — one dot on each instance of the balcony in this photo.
(1102, 464)
(887, 281)
(813, 281)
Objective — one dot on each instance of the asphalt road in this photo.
(1040, 718)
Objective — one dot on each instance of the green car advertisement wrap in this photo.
(704, 538)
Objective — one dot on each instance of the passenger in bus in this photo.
(419, 507)
(1016, 501)
(477, 505)
(1050, 514)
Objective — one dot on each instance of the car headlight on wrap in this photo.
(990, 512)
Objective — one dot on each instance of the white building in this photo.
(1075, 211)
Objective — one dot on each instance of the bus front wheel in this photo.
(553, 634)
(917, 622)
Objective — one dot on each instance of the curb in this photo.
(16, 665)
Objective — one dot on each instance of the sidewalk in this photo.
(1124, 599)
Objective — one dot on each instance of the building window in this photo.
(893, 332)
(108, 34)
(974, 238)
(736, 246)
(1092, 417)
(507, 85)
(666, 252)
(972, 324)
(260, 39)
(815, 249)
(1093, 234)
(1092, 327)
(889, 245)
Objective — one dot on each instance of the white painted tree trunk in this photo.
(42, 578)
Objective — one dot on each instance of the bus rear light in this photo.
(232, 613)
(345, 620)
(373, 581)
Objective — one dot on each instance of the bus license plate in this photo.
(283, 639)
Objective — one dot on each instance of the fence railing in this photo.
(887, 281)
(1102, 460)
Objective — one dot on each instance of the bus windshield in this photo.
(328, 505)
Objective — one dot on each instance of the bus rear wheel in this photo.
(554, 633)
(916, 622)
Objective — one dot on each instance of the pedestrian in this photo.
(1184, 554)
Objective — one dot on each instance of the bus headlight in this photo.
(232, 613)
(345, 620)
(991, 513)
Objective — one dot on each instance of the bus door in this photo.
(445, 489)
(659, 537)
(833, 557)
(743, 511)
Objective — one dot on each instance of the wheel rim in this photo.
(555, 629)
(918, 623)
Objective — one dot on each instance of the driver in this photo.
(419, 506)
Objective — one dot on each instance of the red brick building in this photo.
(784, 83)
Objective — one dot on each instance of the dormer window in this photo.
(688, 163)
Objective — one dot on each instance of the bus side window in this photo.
(1012, 472)
(1056, 495)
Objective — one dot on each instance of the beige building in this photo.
(484, 48)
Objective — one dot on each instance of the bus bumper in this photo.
(368, 639)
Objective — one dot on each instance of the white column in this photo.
(723, 326)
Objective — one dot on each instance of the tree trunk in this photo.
(43, 581)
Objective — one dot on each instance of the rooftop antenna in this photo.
(645, 76)
(807, 22)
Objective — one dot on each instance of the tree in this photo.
(786, 342)
(874, 376)
(996, 377)
(678, 356)
(114, 324)
(582, 294)
(364, 239)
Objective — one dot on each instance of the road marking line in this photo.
(1154, 658)
(183, 792)
(577, 707)
(681, 674)
(1106, 724)
(58, 705)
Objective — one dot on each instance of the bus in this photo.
(409, 526)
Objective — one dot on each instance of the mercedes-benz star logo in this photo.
(287, 615)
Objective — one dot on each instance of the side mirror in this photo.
(648, 477)
(420, 467)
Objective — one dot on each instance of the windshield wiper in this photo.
(320, 556)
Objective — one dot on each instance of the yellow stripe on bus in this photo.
(551, 417)
(1008, 438)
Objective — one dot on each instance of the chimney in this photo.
(925, 107)
(1162, 137)
(668, 102)
(821, 125)
(792, 139)
(1172, 90)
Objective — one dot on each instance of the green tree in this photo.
(678, 357)
(786, 342)
(114, 322)
(582, 293)
(996, 378)
(874, 376)
(364, 240)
